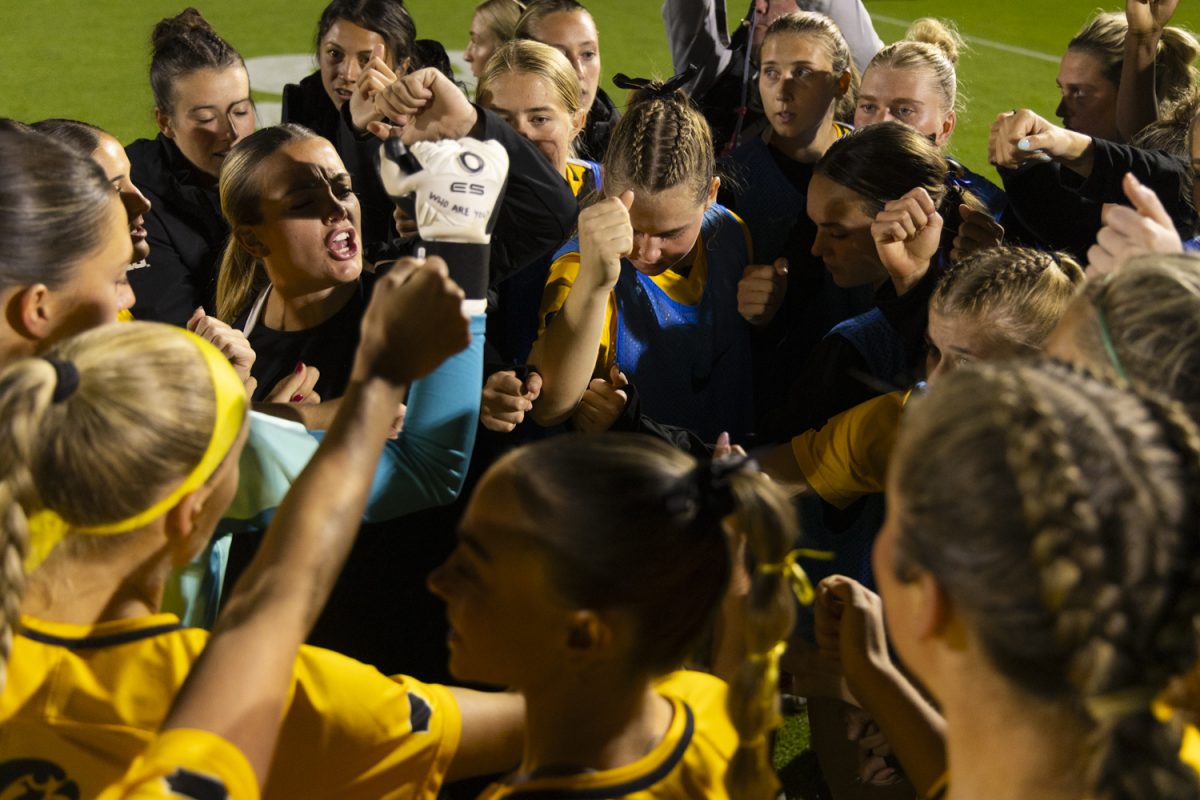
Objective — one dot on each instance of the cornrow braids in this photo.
(1092, 490)
(661, 142)
(1018, 293)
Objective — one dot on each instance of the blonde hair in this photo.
(242, 274)
(138, 423)
(931, 45)
(1103, 37)
(628, 521)
(662, 141)
(1151, 310)
(539, 60)
(501, 17)
(1015, 293)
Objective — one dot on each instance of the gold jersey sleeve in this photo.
(187, 765)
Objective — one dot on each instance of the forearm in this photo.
(493, 728)
(1137, 100)
(779, 464)
(1077, 153)
(566, 351)
(427, 463)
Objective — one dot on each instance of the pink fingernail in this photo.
(296, 398)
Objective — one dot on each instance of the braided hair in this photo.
(661, 142)
(1009, 472)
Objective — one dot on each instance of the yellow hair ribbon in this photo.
(769, 685)
(47, 528)
(124, 315)
(795, 574)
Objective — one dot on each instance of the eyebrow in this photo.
(326, 178)
(471, 543)
(218, 108)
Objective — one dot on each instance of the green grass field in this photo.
(89, 60)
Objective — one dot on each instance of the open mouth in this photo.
(343, 94)
(137, 231)
(342, 244)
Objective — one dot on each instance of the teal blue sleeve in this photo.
(425, 466)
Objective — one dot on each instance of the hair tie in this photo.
(666, 89)
(1106, 338)
(706, 491)
(795, 575)
(66, 379)
(1120, 703)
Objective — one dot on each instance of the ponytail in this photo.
(766, 517)
(25, 392)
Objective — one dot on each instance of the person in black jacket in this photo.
(567, 26)
(349, 34)
(203, 108)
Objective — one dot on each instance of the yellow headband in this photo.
(47, 528)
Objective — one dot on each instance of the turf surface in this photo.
(89, 60)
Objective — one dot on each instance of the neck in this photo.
(585, 726)
(1042, 742)
(808, 147)
(122, 582)
(287, 311)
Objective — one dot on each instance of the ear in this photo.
(843, 84)
(589, 636)
(32, 312)
(712, 192)
(948, 124)
(164, 123)
(184, 537)
(249, 241)
(934, 611)
(578, 122)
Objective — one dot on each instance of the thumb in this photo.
(194, 320)
(781, 266)
(722, 448)
(627, 199)
(616, 377)
(965, 212)
(533, 385)
(1146, 201)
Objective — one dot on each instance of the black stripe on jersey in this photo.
(622, 789)
(419, 714)
(93, 642)
(194, 786)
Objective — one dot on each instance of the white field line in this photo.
(1007, 48)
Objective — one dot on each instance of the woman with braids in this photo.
(647, 292)
(203, 107)
(587, 569)
(95, 664)
(1038, 573)
(995, 305)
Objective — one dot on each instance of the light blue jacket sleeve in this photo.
(425, 466)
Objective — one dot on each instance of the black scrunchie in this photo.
(707, 489)
(66, 377)
(623, 81)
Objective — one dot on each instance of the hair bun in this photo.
(179, 26)
(942, 35)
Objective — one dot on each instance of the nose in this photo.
(1061, 111)
(818, 246)
(438, 581)
(336, 210)
(126, 297)
(134, 201)
(353, 70)
(646, 249)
